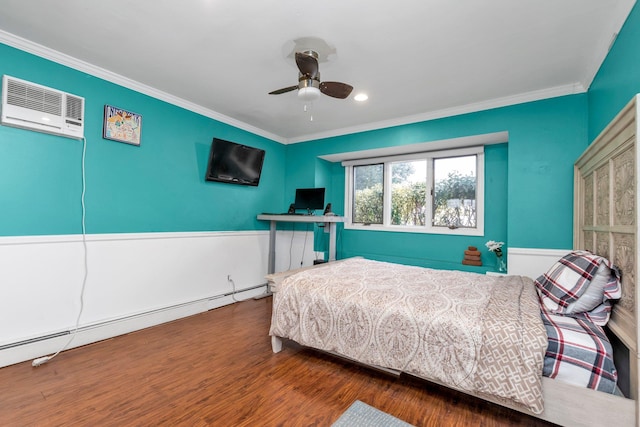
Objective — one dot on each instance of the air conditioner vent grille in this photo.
(74, 108)
(34, 98)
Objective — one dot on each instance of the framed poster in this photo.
(121, 125)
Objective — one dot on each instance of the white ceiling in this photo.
(416, 59)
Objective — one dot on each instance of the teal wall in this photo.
(529, 181)
(618, 79)
(157, 187)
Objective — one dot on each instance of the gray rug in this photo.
(360, 414)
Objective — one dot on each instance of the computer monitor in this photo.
(309, 199)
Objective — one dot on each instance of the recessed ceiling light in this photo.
(361, 97)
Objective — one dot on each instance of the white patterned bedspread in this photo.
(477, 333)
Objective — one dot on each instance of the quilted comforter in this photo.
(476, 333)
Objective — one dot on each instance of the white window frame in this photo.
(429, 157)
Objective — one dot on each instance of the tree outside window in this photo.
(409, 192)
(368, 194)
(454, 195)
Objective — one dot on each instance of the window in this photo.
(435, 192)
(368, 194)
(408, 192)
(454, 192)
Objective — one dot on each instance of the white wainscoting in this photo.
(133, 281)
(532, 262)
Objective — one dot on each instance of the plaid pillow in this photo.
(578, 353)
(568, 280)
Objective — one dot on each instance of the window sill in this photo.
(419, 230)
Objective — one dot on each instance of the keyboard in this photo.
(286, 213)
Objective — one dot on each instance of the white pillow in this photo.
(593, 296)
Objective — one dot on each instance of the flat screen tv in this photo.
(234, 163)
(309, 199)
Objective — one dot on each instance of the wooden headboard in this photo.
(606, 219)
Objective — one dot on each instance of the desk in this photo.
(330, 220)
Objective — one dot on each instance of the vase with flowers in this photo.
(496, 248)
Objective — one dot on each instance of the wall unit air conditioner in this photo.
(35, 107)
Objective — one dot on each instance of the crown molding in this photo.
(85, 67)
(71, 62)
(570, 89)
(621, 13)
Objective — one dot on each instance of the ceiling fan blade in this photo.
(307, 64)
(283, 90)
(336, 89)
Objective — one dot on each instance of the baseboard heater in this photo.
(33, 340)
(236, 292)
(125, 318)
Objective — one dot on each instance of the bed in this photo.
(481, 334)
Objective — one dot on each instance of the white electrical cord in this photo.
(41, 360)
(293, 232)
(316, 254)
(233, 284)
(306, 235)
(233, 294)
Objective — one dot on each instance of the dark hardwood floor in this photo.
(217, 369)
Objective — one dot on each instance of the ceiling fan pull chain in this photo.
(307, 109)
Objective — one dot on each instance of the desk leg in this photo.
(332, 241)
(271, 268)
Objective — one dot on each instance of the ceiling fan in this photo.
(309, 86)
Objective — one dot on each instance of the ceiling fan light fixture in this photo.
(309, 93)
(361, 97)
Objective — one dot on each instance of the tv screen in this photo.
(234, 163)
(309, 199)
